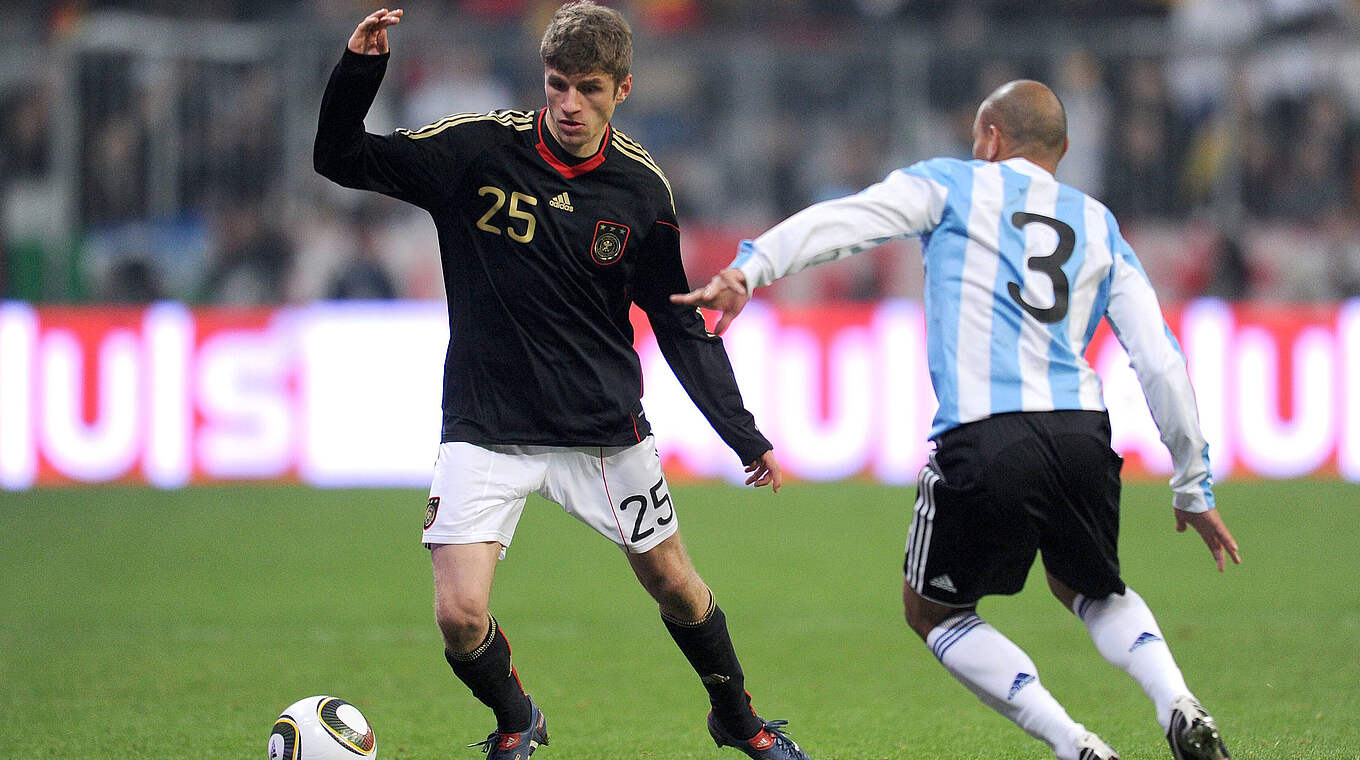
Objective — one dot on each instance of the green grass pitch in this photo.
(144, 624)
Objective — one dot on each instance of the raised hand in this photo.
(726, 292)
(370, 36)
(1210, 527)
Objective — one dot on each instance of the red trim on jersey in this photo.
(561, 166)
(633, 419)
(675, 227)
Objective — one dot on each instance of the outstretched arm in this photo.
(370, 36)
(726, 292)
(903, 204)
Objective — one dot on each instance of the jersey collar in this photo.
(569, 170)
(1026, 166)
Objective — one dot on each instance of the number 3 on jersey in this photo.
(515, 211)
(1050, 265)
(638, 504)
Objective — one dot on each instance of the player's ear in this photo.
(993, 145)
(625, 87)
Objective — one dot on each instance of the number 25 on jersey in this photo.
(518, 215)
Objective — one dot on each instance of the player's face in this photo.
(580, 106)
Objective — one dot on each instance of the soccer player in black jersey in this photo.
(551, 223)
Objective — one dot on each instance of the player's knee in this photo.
(1061, 591)
(680, 597)
(463, 622)
(669, 591)
(915, 621)
(911, 613)
(921, 616)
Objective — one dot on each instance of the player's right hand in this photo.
(1210, 527)
(726, 292)
(370, 36)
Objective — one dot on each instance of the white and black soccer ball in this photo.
(322, 728)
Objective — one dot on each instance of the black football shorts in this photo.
(997, 490)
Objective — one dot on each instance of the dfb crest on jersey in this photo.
(609, 241)
(431, 509)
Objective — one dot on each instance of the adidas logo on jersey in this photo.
(561, 202)
(944, 583)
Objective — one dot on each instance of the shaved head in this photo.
(1031, 117)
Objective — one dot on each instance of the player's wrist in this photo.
(1192, 503)
(736, 279)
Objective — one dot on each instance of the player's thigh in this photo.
(668, 559)
(477, 493)
(620, 492)
(463, 574)
(963, 542)
(1080, 535)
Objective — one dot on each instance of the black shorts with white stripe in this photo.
(1000, 489)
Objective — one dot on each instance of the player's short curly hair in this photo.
(583, 37)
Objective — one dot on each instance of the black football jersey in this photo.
(543, 253)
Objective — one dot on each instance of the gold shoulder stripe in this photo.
(642, 158)
(520, 121)
(637, 147)
(441, 124)
(630, 148)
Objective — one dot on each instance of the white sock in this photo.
(1004, 678)
(1127, 636)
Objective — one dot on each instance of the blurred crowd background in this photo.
(156, 149)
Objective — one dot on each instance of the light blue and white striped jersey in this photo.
(1019, 271)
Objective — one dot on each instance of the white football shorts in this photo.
(478, 492)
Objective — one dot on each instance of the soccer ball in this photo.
(322, 728)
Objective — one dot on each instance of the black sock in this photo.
(708, 647)
(488, 673)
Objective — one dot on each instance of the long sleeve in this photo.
(696, 356)
(1157, 360)
(344, 153)
(903, 204)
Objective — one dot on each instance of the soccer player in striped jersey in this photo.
(1019, 271)
(551, 223)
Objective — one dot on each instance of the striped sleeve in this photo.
(907, 202)
(1157, 360)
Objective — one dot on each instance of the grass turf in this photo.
(144, 624)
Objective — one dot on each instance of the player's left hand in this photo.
(1210, 527)
(765, 471)
(726, 292)
(370, 36)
